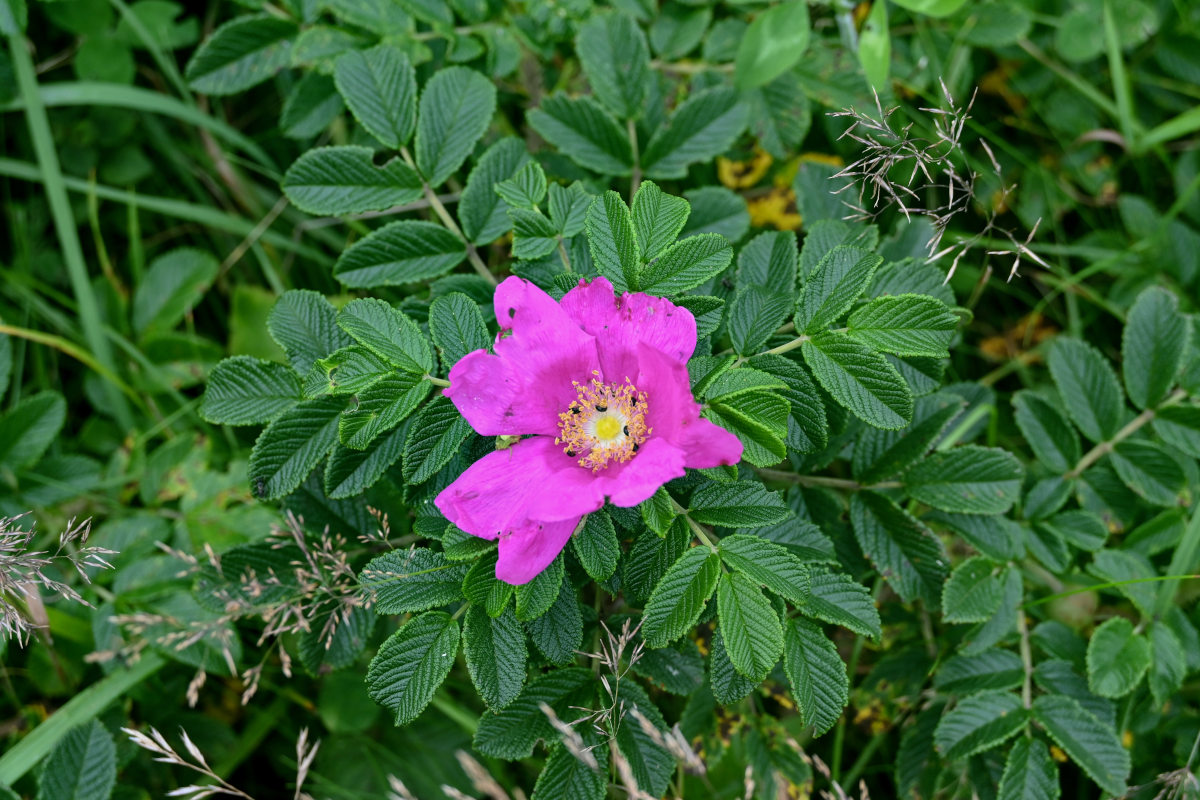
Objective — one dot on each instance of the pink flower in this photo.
(602, 384)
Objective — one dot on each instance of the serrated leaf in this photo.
(988, 671)
(1048, 433)
(657, 219)
(816, 673)
(770, 564)
(840, 277)
(745, 504)
(979, 723)
(968, 479)
(1149, 470)
(408, 581)
(558, 633)
(753, 635)
(537, 596)
(728, 685)
(291, 447)
(774, 42)
(1089, 743)
(905, 324)
(1131, 569)
(687, 264)
(860, 379)
(880, 454)
(769, 260)
(1179, 425)
(456, 108)
(457, 327)
(511, 733)
(715, 209)
(658, 512)
(345, 180)
(349, 370)
(534, 236)
(241, 53)
(728, 384)
(82, 765)
(412, 663)
(678, 669)
(703, 126)
(351, 472)
(1029, 773)
(808, 426)
(304, 324)
(380, 88)
(651, 556)
(483, 214)
(759, 420)
(495, 654)
(1117, 658)
(246, 391)
(1088, 387)
(388, 333)
(612, 242)
(174, 283)
(905, 552)
(1169, 663)
(585, 132)
(680, 596)
(341, 648)
(526, 188)
(754, 315)
(483, 588)
(973, 593)
(597, 546)
(381, 408)
(568, 207)
(840, 600)
(398, 253)
(615, 58)
(567, 777)
(651, 764)
(1153, 346)
(434, 436)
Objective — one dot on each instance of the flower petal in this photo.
(526, 551)
(669, 401)
(706, 444)
(656, 462)
(491, 395)
(620, 324)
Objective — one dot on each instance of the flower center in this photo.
(605, 423)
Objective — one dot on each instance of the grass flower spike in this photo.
(601, 384)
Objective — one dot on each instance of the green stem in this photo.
(437, 381)
(820, 480)
(64, 224)
(1100, 450)
(635, 180)
(74, 351)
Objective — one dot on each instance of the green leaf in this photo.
(597, 546)
(658, 512)
(703, 127)
(1149, 470)
(14, 15)
(904, 551)
(968, 479)
(875, 47)
(511, 733)
(759, 420)
(311, 106)
(715, 209)
(657, 219)
(973, 593)
(1088, 387)
(979, 723)
(567, 777)
(496, 655)
(651, 764)
(745, 504)
(345, 180)
(1131, 569)
(585, 132)
(412, 663)
(840, 600)
(558, 633)
(680, 597)
(840, 277)
(246, 391)
(905, 324)
(388, 333)
(1153, 346)
(860, 379)
(241, 53)
(534, 236)
(408, 581)
(536, 597)
(457, 327)
(816, 673)
(807, 425)
(291, 447)
(678, 669)
(1117, 658)
(351, 472)
(435, 435)
(1029, 773)
(1047, 431)
(880, 454)
(988, 671)
(687, 264)
(483, 588)
(1090, 743)
(728, 685)
(349, 370)
(612, 242)
(82, 766)
(483, 214)
(456, 108)
(398, 253)
(612, 50)
(342, 647)
(172, 286)
(754, 315)
(932, 8)
(769, 260)
(1169, 663)
(753, 635)
(304, 324)
(678, 29)
(381, 408)
(526, 188)
(774, 42)
(379, 86)
(568, 208)
(1179, 425)
(770, 564)
(651, 556)
(733, 383)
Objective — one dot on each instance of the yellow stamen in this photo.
(605, 423)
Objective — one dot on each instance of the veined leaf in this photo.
(746, 504)
(351, 472)
(1149, 470)
(241, 53)
(457, 327)
(291, 447)
(597, 546)
(973, 593)
(495, 653)
(770, 564)
(816, 673)
(434, 436)
(344, 180)
(686, 264)
(172, 286)
(1088, 386)
(1029, 773)
(839, 599)
(612, 242)
(82, 766)
(774, 42)
(482, 212)
(388, 333)
(754, 315)
(408, 581)
(860, 379)
(753, 635)
(988, 671)
(657, 219)
(304, 324)
(381, 408)
(840, 277)
(968, 479)
(680, 596)
(904, 551)
(1090, 744)
(979, 723)
(1117, 658)
(412, 664)
(1153, 346)
(512, 732)
(456, 108)
(905, 324)
(585, 132)
(398, 253)
(1049, 434)
(704, 126)
(380, 88)
(728, 685)
(245, 391)
(615, 58)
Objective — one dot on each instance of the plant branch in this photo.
(821, 480)
(1100, 450)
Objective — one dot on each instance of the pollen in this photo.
(606, 423)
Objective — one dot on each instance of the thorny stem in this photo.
(820, 480)
(1099, 451)
(448, 221)
(636, 180)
